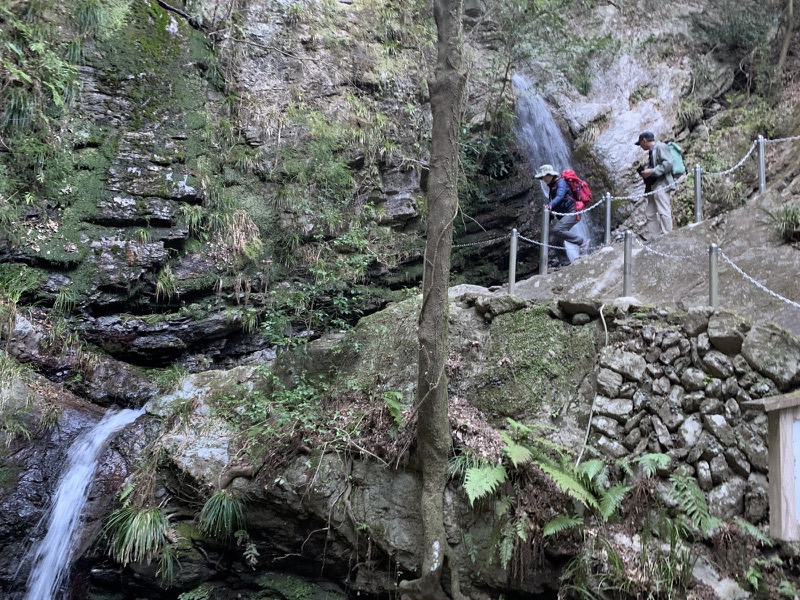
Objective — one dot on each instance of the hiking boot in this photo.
(585, 246)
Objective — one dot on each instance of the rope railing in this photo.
(759, 285)
(714, 251)
(650, 250)
(737, 166)
(487, 242)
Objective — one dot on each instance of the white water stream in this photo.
(51, 558)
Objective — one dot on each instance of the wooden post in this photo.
(783, 442)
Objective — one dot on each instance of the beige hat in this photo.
(546, 170)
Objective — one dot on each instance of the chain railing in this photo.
(714, 252)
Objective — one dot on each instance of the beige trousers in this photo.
(659, 213)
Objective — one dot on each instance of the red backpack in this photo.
(581, 193)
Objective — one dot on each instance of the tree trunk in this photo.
(432, 401)
(787, 35)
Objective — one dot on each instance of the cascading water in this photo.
(51, 558)
(541, 140)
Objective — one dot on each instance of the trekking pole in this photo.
(608, 218)
(512, 262)
(545, 240)
(713, 283)
(698, 191)
(626, 272)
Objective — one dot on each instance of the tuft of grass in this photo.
(166, 284)
(786, 221)
(221, 515)
(65, 301)
(140, 535)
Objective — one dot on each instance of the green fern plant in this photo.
(561, 523)
(754, 532)
(692, 503)
(651, 463)
(483, 481)
(394, 403)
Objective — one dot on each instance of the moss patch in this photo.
(288, 587)
(381, 353)
(534, 364)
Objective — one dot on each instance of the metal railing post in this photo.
(713, 279)
(512, 263)
(698, 194)
(626, 273)
(545, 242)
(608, 218)
(762, 165)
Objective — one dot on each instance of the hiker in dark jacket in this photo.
(657, 176)
(560, 200)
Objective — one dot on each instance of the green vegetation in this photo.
(786, 221)
(139, 534)
(743, 37)
(276, 585)
(221, 516)
(276, 413)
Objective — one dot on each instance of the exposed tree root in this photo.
(231, 472)
(429, 587)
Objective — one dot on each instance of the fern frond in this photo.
(592, 472)
(650, 463)
(503, 506)
(518, 428)
(624, 464)
(754, 532)
(523, 527)
(482, 481)
(612, 499)
(543, 445)
(506, 551)
(561, 523)
(516, 453)
(570, 486)
(690, 498)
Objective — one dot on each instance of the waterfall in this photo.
(541, 140)
(51, 558)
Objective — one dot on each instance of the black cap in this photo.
(645, 135)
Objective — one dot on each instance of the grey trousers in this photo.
(659, 213)
(560, 232)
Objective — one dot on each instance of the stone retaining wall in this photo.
(676, 384)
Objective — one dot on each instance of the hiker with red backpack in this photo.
(562, 199)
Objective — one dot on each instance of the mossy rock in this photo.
(278, 586)
(534, 365)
